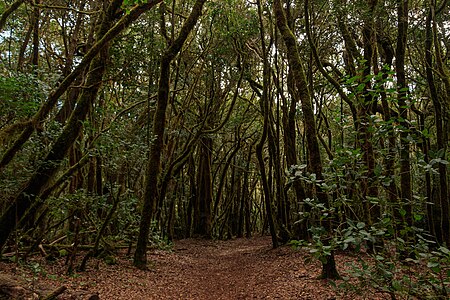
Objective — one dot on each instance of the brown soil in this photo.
(194, 269)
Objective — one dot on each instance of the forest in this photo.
(128, 125)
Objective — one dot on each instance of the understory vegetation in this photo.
(324, 124)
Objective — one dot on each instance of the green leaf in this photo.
(350, 240)
(418, 217)
(442, 161)
(444, 250)
(425, 133)
(396, 285)
(360, 87)
(378, 170)
(352, 79)
(432, 264)
(436, 269)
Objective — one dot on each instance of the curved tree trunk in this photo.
(71, 131)
(45, 109)
(402, 89)
(312, 144)
(159, 123)
(13, 7)
(260, 146)
(45, 172)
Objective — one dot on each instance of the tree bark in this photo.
(54, 96)
(45, 172)
(35, 41)
(402, 89)
(312, 144)
(204, 187)
(440, 226)
(260, 146)
(159, 123)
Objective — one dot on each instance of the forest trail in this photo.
(195, 269)
(234, 269)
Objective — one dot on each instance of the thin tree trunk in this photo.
(35, 41)
(12, 8)
(443, 73)
(204, 187)
(247, 196)
(260, 146)
(314, 157)
(192, 209)
(94, 251)
(290, 149)
(45, 109)
(159, 124)
(440, 225)
(46, 170)
(402, 89)
(388, 115)
(23, 47)
(222, 178)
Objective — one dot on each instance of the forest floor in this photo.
(192, 269)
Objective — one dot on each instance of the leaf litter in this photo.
(194, 269)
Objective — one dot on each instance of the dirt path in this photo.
(238, 269)
(235, 269)
(198, 269)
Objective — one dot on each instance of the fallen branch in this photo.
(42, 250)
(55, 293)
(57, 240)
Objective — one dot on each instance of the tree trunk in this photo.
(23, 47)
(13, 7)
(440, 226)
(46, 170)
(290, 149)
(159, 123)
(260, 146)
(246, 196)
(312, 144)
(204, 187)
(402, 89)
(35, 40)
(192, 209)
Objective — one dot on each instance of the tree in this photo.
(321, 121)
(159, 125)
(314, 156)
(34, 187)
(439, 226)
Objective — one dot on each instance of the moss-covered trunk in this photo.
(159, 123)
(312, 144)
(50, 164)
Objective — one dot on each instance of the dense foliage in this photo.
(324, 123)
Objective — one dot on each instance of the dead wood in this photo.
(55, 293)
